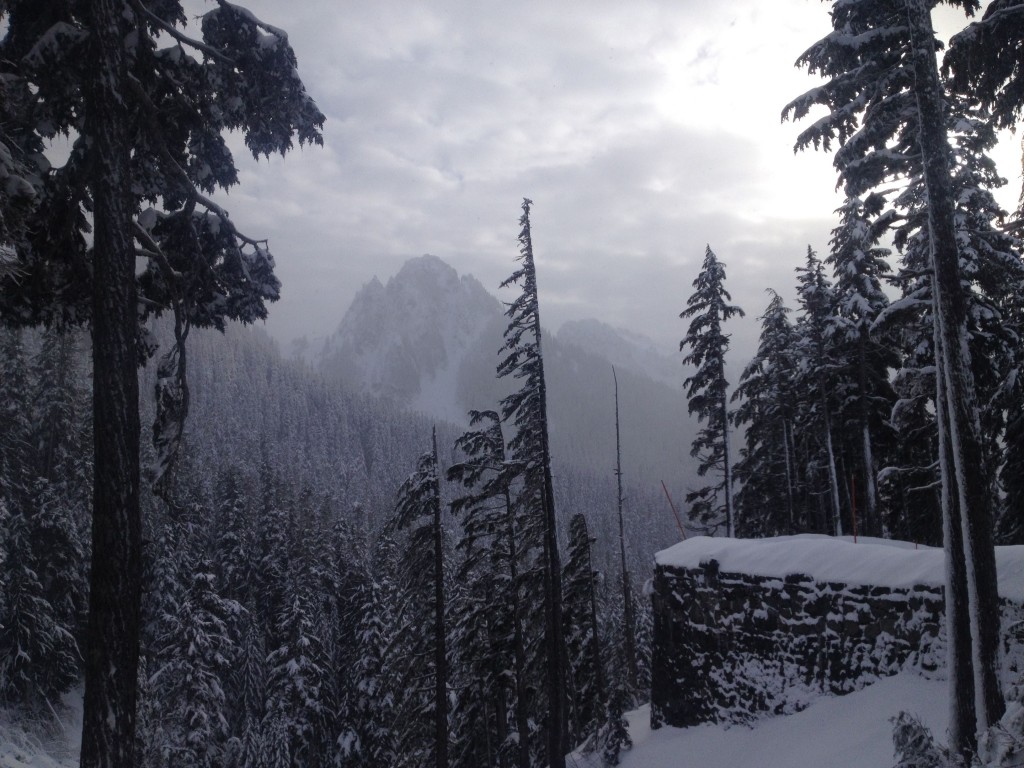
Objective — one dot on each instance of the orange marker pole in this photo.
(675, 512)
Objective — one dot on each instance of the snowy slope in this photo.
(623, 349)
(851, 731)
(53, 744)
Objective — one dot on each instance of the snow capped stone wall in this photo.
(744, 628)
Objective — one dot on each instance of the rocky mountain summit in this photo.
(428, 340)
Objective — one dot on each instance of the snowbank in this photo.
(46, 742)
(850, 731)
(875, 562)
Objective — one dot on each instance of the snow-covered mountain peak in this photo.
(429, 340)
(405, 339)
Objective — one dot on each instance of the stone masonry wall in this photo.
(731, 646)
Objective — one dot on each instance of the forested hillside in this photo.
(275, 576)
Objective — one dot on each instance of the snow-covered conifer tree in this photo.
(888, 115)
(859, 267)
(234, 544)
(59, 401)
(983, 61)
(614, 735)
(367, 738)
(817, 367)
(296, 676)
(766, 503)
(530, 448)
(196, 653)
(582, 639)
(39, 658)
(707, 390)
(497, 545)
(61, 454)
(147, 105)
(418, 511)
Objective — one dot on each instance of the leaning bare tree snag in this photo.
(629, 628)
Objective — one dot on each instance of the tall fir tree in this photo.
(866, 402)
(766, 503)
(887, 112)
(817, 369)
(586, 667)
(418, 510)
(912, 480)
(39, 657)
(296, 716)
(59, 402)
(195, 654)
(707, 391)
(148, 119)
(497, 544)
(531, 449)
(367, 737)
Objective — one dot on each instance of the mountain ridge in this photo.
(428, 340)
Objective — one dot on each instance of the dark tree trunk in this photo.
(595, 645)
(871, 525)
(112, 645)
(518, 640)
(500, 702)
(554, 641)
(962, 712)
(730, 524)
(629, 630)
(786, 447)
(558, 734)
(969, 489)
(440, 649)
(833, 480)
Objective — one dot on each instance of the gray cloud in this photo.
(642, 131)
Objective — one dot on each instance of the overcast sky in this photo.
(642, 131)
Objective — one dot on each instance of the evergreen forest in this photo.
(235, 561)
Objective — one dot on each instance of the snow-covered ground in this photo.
(851, 731)
(51, 744)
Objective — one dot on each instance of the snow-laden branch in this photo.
(247, 14)
(178, 35)
(9, 269)
(152, 248)
(189, 188)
